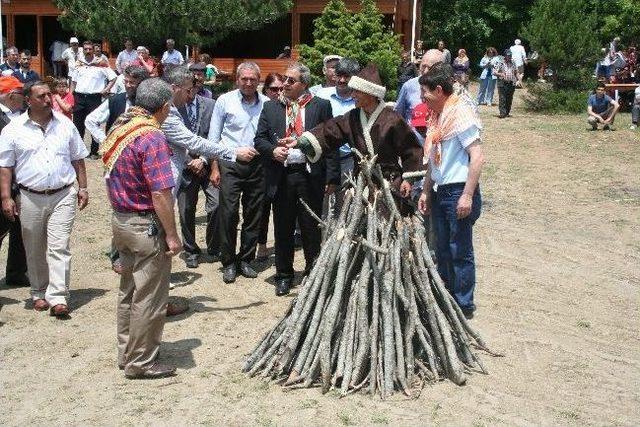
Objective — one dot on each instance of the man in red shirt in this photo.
(139, 183)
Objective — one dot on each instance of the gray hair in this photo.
(248, 65)
(137, 72)
(177, 75)
(171, 41)
(11, 49)
(305, 73)
(347, 67)
(152, 94)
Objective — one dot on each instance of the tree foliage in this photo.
(361, 36)
(473, 25)
(150, 22)
(563, 32)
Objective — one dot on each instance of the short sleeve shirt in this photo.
(143, 166)
(599, 105)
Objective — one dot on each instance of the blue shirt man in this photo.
(601, 108)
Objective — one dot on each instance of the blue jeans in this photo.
(485, 93)
(454, 242)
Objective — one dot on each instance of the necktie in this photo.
(193, 116)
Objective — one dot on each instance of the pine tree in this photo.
(361, 36)
(563, 32)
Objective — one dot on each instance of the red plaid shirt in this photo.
(143, 166)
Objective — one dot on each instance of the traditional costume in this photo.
(383, 133)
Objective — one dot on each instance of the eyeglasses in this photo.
(290, 80)
(276, 88)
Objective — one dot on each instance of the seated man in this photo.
(601, 108)
(635, 110)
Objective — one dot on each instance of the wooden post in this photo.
(295, 28)
(11, 31)
(39, 45)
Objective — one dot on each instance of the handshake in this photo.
(281, 152)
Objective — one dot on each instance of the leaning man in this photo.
(45, 152)
(454, 150)
(137, 159)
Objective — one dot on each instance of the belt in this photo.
(88, 94)
(451, 186)
(296, 167)
(45, 192)
(137, 213)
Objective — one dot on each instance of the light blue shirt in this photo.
(454, 167)
(339, 106)
(233, 121)
(408, 98)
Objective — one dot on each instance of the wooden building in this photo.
(33, 25)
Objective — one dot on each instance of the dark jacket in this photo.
(271, 127)
(117, 105)
(31, 76)
(205, 109)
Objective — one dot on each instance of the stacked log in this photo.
(373, 314)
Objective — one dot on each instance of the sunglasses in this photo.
(276, 89)
(290, 80)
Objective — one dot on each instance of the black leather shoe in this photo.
(468, 314)
(247, 271)
(192, 261)
(157, 370)
(282, 287)
(229, 273)
(17, 281)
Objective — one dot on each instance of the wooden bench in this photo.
(620, 87)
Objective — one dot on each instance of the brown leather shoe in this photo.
(40, 305)
(157, 370)
(59, 310)
(173, 309)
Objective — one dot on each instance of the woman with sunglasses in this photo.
(273, 85)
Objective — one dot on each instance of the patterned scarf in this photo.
(456, 117)
(133, 123)
(294, 124)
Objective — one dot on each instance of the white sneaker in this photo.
(633, 127)
(172, 285)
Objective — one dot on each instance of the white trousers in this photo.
(47, 221)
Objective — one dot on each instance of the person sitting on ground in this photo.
(602, 109)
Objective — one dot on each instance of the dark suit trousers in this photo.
(16, 258)
(296, 184)
(84, 105)
(187, 202)
(505, 97)
(240, 180)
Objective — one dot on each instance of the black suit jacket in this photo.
(271, 127)
(205, 109)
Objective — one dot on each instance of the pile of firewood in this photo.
(373, 314)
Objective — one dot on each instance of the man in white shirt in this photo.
(171, 56)
(72, 55)
(89, 84)
(519, 56)
(46, 153)
(126, 57)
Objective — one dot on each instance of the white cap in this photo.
(517, 41)
(73, 40)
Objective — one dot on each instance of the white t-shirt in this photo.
(92, 79)
(637, 96)
(519, 55)
(174, 58)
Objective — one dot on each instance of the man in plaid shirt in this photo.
(139, 184)
(508, 76)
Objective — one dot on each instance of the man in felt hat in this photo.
(11, 104)
(372, 128)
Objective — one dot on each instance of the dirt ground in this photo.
(558, 260)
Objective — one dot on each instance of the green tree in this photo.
(619, 18)
(562, 31)
(463, 24)
(361, 36)
(150, 22)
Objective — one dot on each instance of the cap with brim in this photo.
(73, 40)
(9, 83)
(368, 81)
(419, 116)
(198, 66)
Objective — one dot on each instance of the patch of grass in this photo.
(308, 404)
(583, 324)
(569, 414)
(379, 419)
(205, 374)
(435, 410)
(346, 418)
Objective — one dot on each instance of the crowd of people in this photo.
(252, 150)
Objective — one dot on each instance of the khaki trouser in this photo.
(144, 290)
(47, 221)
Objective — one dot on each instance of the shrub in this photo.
(543, 98)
